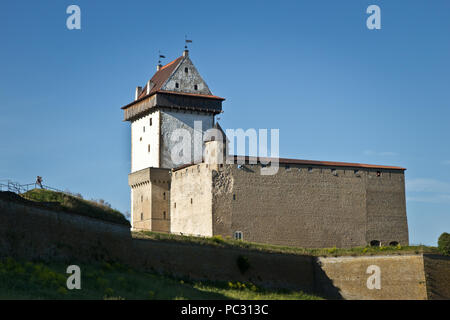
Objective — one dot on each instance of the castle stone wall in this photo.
(28, 232)
(386, 207)
(150, 199)
(437, 273)
(310, 206)
(191, 201)
(401, 277)
(33, 233)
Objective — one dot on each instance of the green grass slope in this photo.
(28, 280)
(321, 252)
(64, 202)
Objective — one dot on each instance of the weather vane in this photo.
(186, 41)
(160, 57)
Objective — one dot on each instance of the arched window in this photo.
(393, 243)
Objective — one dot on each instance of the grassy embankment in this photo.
(321, 252)
(64, 202)
(27, 280)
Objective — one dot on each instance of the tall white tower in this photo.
(174, 98)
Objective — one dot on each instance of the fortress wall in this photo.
(29, 233)
(295, 207)
(191, 201)
(33, 233)
(402, 277)
(386, 207)
(437, 273)
(142, 206)
(312, 208)
(203, 262)
(150, 196)
(160, 181)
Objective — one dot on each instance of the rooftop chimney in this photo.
(148, 86)
(185, 52)
(158, 67)
(137, 93)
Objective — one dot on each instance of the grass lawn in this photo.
(321, 252)
(28, 280)
(61, 201)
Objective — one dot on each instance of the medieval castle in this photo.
(305, 204)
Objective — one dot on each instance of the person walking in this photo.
(39, 182)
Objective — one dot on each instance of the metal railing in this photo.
(11, 186)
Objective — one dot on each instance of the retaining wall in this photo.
(33, 233)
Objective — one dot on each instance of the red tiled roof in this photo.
(161, 76)
(310, 162)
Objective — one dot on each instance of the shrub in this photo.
(217, 239)
(444, 243)
(243, 264)
(332, 250)
(62, 291)
(109, 292)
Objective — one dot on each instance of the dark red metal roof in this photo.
(308, 162)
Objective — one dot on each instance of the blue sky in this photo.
(336, 90)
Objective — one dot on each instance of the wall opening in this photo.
(142, 216)
(375, 243)
(238, 235)
(164, 215)
(393, 243)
